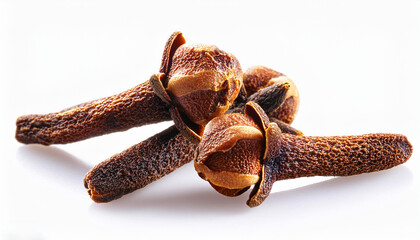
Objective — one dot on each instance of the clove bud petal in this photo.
(230, 152)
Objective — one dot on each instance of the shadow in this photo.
(53, 163)
(175, 194)
(194, 202)
(327, 197)
(340, 194)
(180, 192)
(343, 194)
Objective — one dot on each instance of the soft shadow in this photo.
(337, 193)
(365, 190)
(53, 163)
(186, 201)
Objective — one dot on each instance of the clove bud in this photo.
(258, 77)
(195, 84)
(238, 151)
(158, 156)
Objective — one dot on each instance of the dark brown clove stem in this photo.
(156, 157)
(196, 83)
(289, 156)
(241, 150)
(135, 107)
(139, 165)
(302, 156)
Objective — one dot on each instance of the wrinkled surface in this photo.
(106, 185)
(244, 157)
(135, 107)
(286, 112)
(258, 77)
(300, 156)
(139, 165)
(219, 136)
(206, 71)
(173, 43)
(198, 101)
(230, 152)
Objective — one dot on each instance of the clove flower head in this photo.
(240, 150)
(203, 81)
(197, 82)
(258, 77)
(230, 153)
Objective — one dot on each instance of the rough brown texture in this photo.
(286, 156)
(289, 156)
(184, 70)
(207, 74)
(285, 128)
(139, 165)
(286, 112)
(172, 44)
(269, 98)
(198, 102)
(301, 156)
(113, 178)
(258, 77)
(224, 148)
(132, 108)
(239, 159)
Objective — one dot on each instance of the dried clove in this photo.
(195, 84)
(139, 165)
(238, 151)
(258, 77)
(158, 156)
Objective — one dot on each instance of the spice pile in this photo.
(234, 125)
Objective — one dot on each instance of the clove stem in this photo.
(157, 156)
(132, 108)
(139, 165)
(289, 156)
(293, 156)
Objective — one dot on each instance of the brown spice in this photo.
(257, 77)
(286, 156)
(166, 96)
(155, 157)
(139, 165)
(135, 107)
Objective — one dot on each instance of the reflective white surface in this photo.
(356, 64)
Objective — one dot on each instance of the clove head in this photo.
(240, 150)
(230, 153)
(203, 81)
(258, 77)
(197, 82)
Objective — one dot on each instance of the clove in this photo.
(241, 150)
(159, 155)
(195, 84)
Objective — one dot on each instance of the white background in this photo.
(355, 63)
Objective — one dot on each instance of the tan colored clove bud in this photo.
(203, 81)
(258, 77)
(230, 152)
(239, 150)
